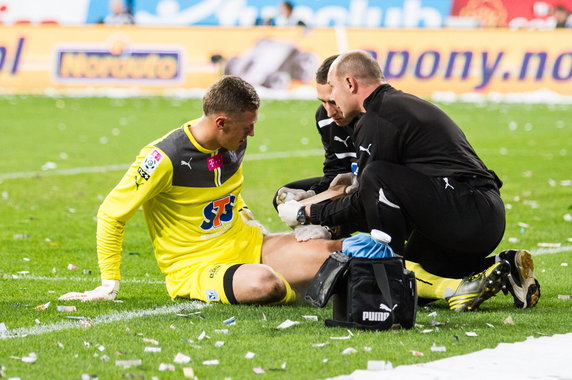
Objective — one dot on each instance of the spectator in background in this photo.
(286, 15)
(562, 16)
(119, 14)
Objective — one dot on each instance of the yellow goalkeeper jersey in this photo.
(190, 197)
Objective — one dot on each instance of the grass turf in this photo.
(48, 223)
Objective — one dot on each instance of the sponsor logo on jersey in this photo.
(212, 295)
(148, 166)
(214, 270)
(187, 163)
(150, 163)
(365, 149)
(218, 212)
(343, 141)
(215, 162)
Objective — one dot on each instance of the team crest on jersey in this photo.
(147, 167)
(212, 295)
(218, 212)
(150, 163)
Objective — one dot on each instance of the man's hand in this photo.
(311, 231)
(107, 291)
(347, 179)
(288, 212)
(248, 218)
(286, 194)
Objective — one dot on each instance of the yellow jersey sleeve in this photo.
(149, 175)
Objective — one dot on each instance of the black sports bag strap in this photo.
(382, 282)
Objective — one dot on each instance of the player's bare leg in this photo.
(257, 284)
(297, 261)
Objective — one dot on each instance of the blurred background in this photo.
(446, 48)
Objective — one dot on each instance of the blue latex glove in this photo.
(364, 246)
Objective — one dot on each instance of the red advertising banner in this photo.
(510, 13)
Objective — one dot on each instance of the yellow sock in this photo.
(290, 293)
(430, 285)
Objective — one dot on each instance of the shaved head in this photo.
(360, 65)
(353, 76)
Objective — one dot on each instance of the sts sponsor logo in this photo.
(218, 212)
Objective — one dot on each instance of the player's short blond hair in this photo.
(230, 95)
(359, 64)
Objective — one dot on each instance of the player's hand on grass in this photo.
(249, 219)
(286, 194)
(346, 179)
(288, 212)
(107, 291)
(311, 231)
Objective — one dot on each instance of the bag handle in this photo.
(382, 282)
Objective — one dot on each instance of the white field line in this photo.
(535, 252)
(105, 318)
(122, 167)
(86, 279)
(544, 251)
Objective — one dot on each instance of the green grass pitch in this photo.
(47, 223)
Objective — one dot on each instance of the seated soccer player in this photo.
(189, 184)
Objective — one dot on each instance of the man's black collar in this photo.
(382, 88)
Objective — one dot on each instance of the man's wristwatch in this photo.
(301, 217)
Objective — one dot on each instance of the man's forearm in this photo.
(336, 212)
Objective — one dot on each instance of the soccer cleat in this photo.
(473, 291)
(521, 283)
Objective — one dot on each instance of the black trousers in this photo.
(447, 225)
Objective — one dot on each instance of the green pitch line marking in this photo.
(105, 318)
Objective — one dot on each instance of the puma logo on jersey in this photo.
(218, 212)
(447, 184)
(137, 183)
(187, 163)
(362, 149)
(345, 142)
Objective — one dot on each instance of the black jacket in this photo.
(338, 145)
(406, 130)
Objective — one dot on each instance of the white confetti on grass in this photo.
(286, 324)
(128, 363)
(181, 358)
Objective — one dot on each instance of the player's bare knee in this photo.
(267, 285)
